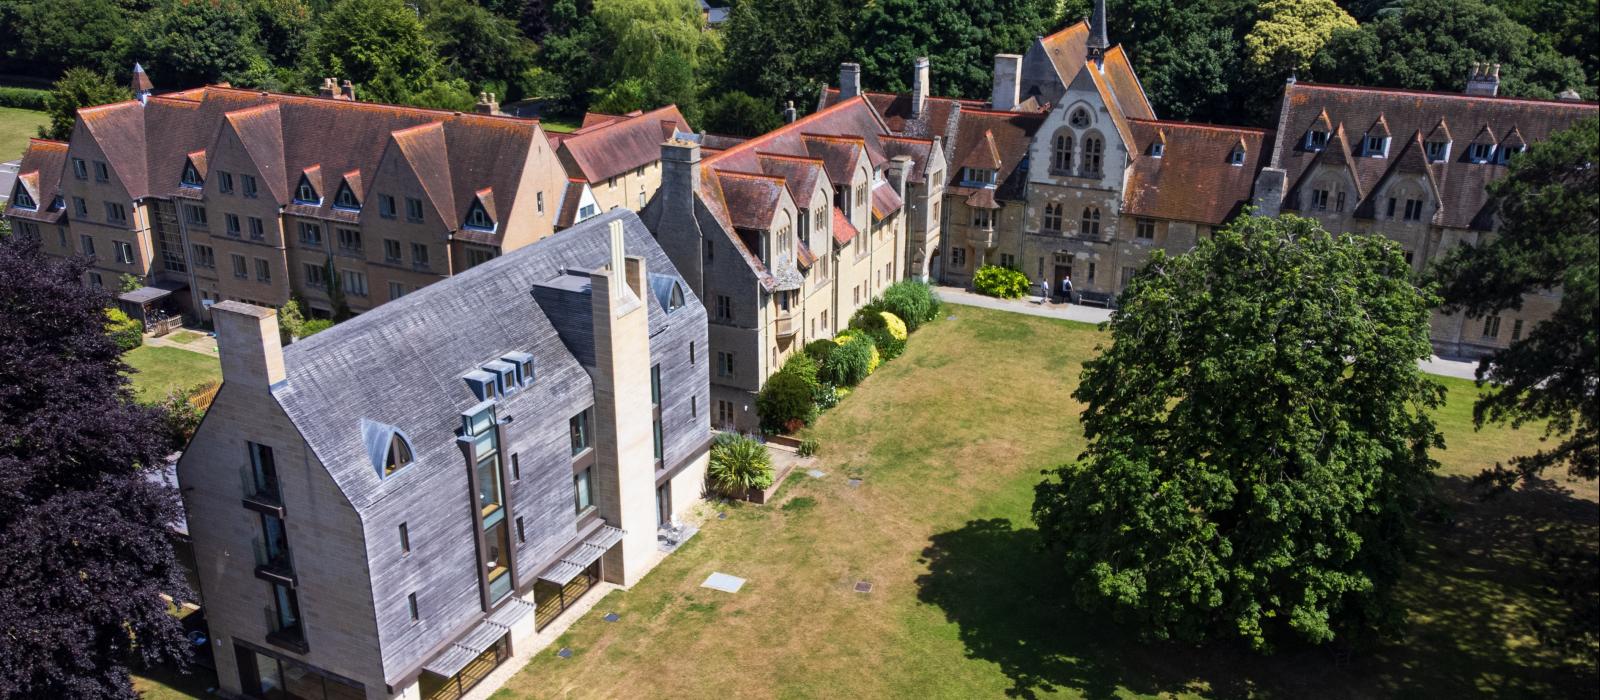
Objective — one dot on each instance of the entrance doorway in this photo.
(1062, 271)
(664, 504)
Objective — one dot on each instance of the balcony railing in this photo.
(274, 564)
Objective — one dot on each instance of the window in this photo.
(1480, 152)
(655, 385)
(386, 206)
(982, 218)
(80, 169)
(124, 252)
(191, 176)
(419, 256)
(193, 215)
(316, 276)
(691, 354)
(1491, 327)
(88, 245)
(305, 193)
(396, 290)
(1061, 155)
(204, 256)
(1516, 329)
(1338, 200)
(413, 209)
(1008, 260)
(522, 532)
(346, 198)
(1409, 257)
(724, 412)
(1319, 200)
(538, 199)
(724, 308)
(391, 251)
(1376, 146)
(241, 267)
(694, 406)
(725, 366)
(1080, 118)
(1389, 211)
(116, 214)
(656, 434)
(1090, 224)
(311, 234)
(79, 207)
(1090, 276)
(257, 231)
(1127, 276)
(478, 256)
(583, 490)
(399, 454)
(405, 539)
(1157, 149)
(286, 606)
(263, 270)
(1438, 151)
(1092, 152)
(1507, 151)
(641, 199)
(349, 240)
(1316, 140)
(579, 425)
(230, 222)
(225, 182)
(1236, 156)
(101, 171)
(1052, 217)
(96, 281)
(958, 258)
(1413, 210)
(355, 283)
(587, 211)
(411, 603)
(248, 183)
(978, 176)
(478, 217)
(1145, 229)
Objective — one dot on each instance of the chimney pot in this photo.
(1484, 80)
(789, 113)
(348, 91)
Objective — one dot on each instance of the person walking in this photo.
(1066, 288)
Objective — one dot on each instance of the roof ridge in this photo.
(785, 156)
(52, 143)
(896, 137)
(775, 133)
(1441, 93)
(834, 137)
(1199, 125)
(750, 175)
(319, 100)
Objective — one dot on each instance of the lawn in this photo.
(16, 127)
(557, 125)
(949, 443)
(159, 370)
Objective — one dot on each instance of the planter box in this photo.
(759, 496)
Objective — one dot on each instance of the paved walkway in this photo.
(1462, 369)
(205, 344)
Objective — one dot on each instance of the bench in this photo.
(1100, 299)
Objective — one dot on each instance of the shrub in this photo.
(180, 416)
(854, 359)
(291, 322)
(887, 331)
(785, 403)
(914, 302)
(738, 464)
(315, 326)
(808, 446)
(125, 332)
(819, 350)
(825, 396)
(1002, 282)
(23, 98)
(802, 366)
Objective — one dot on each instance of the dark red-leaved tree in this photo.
(83, 548)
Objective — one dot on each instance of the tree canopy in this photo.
(1549, 239)
(84, 549)
(780, 50)
(1290, 32)
(959, 37)
(1259, 437)
(79, 87)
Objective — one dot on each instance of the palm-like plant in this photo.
(739, 464)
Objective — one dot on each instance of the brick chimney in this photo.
(671, 213)
(248, 344)
(849, 80)
(1484, 80)
(919, 87)
(348, 91)
(328, 88)
(1007, 81)
(487, 104)
(899, 169)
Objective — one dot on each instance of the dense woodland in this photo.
(1208, 60)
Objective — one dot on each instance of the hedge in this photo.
(854, 359)
(887, 331)
(23, 98)
(997, 281)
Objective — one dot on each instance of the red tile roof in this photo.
(1192, 180)
(607, 146)
(39, 174)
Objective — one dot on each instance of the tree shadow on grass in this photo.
(1476, 580)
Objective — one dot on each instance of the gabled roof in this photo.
(1011, 133)
(1193, 181)
(607, 145)
(39, 174)
(1440, 132)
(839, 154)
(1411, 160)
(885, 201)
(799, 173)
(983, 155)
(752, 198)
(843, 230)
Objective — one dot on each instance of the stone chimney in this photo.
(140, 84)
(919, 87)
(899, 169)
(671, 212)
(487, 104)
(624, 469)
(328, 88)
(1570, 95)
(1007, 81)
(789, 115)
(1484, 80)
(1268, 197)
(1096, 45)
(348, 91)
(248, 344)
(849, 80)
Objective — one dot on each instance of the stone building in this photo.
(613, 161)
(392, 507)
(786, 235)
(220, 193)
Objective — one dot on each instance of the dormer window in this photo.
(505, 374)
(1438, 151)
(977, 176)
(1157, 150)
(1377, 146)
(675, 299)
(484, 385)
(306, 194)
(346, 199)
(1480, 152)
(1236, 156)
(1080, 118)
(1316, 140)
(478, 217)
(523, 362)
(191, 176)
(1507, 151)
(21, 199)
(399, 454)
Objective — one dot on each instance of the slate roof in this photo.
(40, 174)
(1462, 185)
(425, 341)
(455, 154)
(1193, 180)
(607, 145)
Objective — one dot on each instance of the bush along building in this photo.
(218, 193)
(1066, 170)
(786, 235)
(393, 507)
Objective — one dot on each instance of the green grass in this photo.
(159, 370)
(950, 442)
(558, 126)
(16, 127)
(184, 336)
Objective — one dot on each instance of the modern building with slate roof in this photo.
(1067, 172)
(394, 506)
(232, 194)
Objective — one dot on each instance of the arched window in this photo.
(675, 300)
(1080, 118)
(1061, 155)
(1090, 225)
(1093, 148)
(1052, 217)
(399, 454)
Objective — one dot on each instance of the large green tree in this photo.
(486, 50)
(787, 49)
(959, 37)
(77, 88)
(1432, 44)
(382, 46)
(1290, 32)
(1185, 53)
(46, 37)
(1258, 440)
(1548, 240)
(195, 42)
